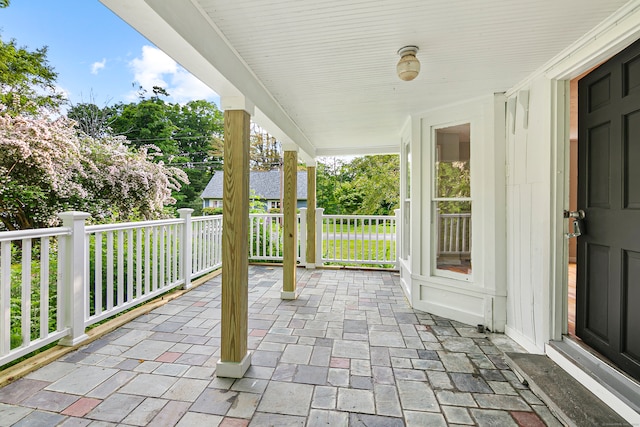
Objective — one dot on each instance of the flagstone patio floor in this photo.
(348, 351)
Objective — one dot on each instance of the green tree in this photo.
(368, 185)
(454, 180)
(147, 123)
(265, 150)
(27, 81)
(328, 181)
(187, 136)
(377, 178)
(199, 130)
(91, 119)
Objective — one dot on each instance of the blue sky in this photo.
(97, 55)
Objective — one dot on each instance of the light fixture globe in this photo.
(408, 66)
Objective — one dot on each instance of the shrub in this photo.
(211, 211)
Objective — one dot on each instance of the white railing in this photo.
(32, 309)
(56, 282)
(130, 263)
(265, 236)
(357, 239)
(206, 244)
(77, 275)
(454, 234)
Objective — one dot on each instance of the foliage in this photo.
(46, 168)
(256, 204)
(189, 136)
(454, 181)
(27, 81)
(146, 122)
(377, 178)
(199, 129)
(91, 119)
(328, 180)
(264, 151)
(368, 185)
(211, 211)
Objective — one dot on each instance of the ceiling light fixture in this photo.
(408, 66)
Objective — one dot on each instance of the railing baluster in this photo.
(176, 240)
(5, 297)
(361, 238)
(154, 266)
(335, 240)
(147, 259)
(25, 314)
(161, 256)
(370, 225)
(209, 258)
(60, 308)
(120, 269)
(263, 226)
(201, 246)
(97, 273)
(377, 242)
(44, 287)
(130, 265)
(168, 244)
(109, 270)
(139, 283)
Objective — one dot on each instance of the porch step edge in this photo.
(621, 386)
(569, 400)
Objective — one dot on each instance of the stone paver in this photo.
(348, 352)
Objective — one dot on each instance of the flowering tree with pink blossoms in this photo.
(47, 166)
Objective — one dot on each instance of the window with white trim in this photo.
(451, 200)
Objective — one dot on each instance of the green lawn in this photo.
(359, 229)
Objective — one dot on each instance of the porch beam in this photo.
(234, 357)
(290, 238)
(311, 216)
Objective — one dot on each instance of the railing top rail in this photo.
(34, 233)
(205, 218)
(131, 225)
(456, 215)
(266, 214)
(360, 216)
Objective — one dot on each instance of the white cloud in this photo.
(155, 68)
(97, 66)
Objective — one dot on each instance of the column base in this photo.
(290, 295)
(233, 369)
(310, 266)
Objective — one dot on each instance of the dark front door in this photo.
(608, 271)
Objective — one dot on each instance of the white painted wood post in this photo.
(75, 276)
(302, 237)
(398, 237)
(319, 221)
(187, 246)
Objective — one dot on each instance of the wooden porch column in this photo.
(311, 215)
(290, 233)
(234, 357)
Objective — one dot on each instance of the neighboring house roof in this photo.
(266, 185)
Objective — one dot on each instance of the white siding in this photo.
(528, 213)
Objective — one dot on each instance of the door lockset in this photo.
(578, 223)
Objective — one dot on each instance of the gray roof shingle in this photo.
(265, 184)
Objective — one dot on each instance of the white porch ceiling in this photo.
(322, 74)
